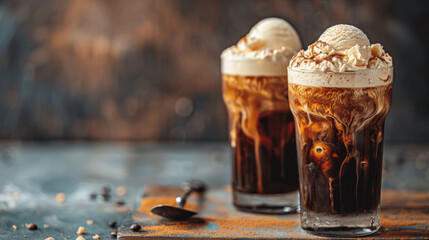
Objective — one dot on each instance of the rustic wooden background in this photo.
(149, 69)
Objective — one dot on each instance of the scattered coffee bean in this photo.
(120, 202)
(112, 224)
(114, 233)
(31, 226)
(93, 196)
(105, 189)
(106, 196)
(135, 227)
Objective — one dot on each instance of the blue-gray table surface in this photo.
(32, 174)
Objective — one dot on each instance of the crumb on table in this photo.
(121, 191)
(60, 198)
(80, 230)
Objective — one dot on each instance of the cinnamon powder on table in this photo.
(402, 215)
(224, 227)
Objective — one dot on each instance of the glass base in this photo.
(353, 225)
(267, 203)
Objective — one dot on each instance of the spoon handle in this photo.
(190, 187)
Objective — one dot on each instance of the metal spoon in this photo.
(178, 213)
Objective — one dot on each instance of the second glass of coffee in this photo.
(262, 135)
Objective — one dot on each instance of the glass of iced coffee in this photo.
(340, 92)
(262, 136)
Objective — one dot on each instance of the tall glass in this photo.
(262, 135)
(339, 120)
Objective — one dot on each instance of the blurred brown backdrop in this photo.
(149, 69)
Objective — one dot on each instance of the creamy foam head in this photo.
(341, 48)
(342, 57)
(264, 51)
(372, 77)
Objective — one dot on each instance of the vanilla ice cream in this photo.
(264, 51)
(342, 37)
(339, 50)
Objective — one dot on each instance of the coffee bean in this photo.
(135, 227)
(105, 189)
(31, 226)
(93, 196)
(112, 224)
(114, 233)
(106, 196)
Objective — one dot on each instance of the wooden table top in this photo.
(404, 214)
(31, 175)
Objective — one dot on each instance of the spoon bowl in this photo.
(178, 213)
(173, 213)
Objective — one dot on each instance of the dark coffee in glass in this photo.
(262, 134)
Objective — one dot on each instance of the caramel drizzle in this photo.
(351, 109)
(249, 97)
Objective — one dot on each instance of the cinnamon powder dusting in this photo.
(225, 227)
(242, 225)
(403, 215)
